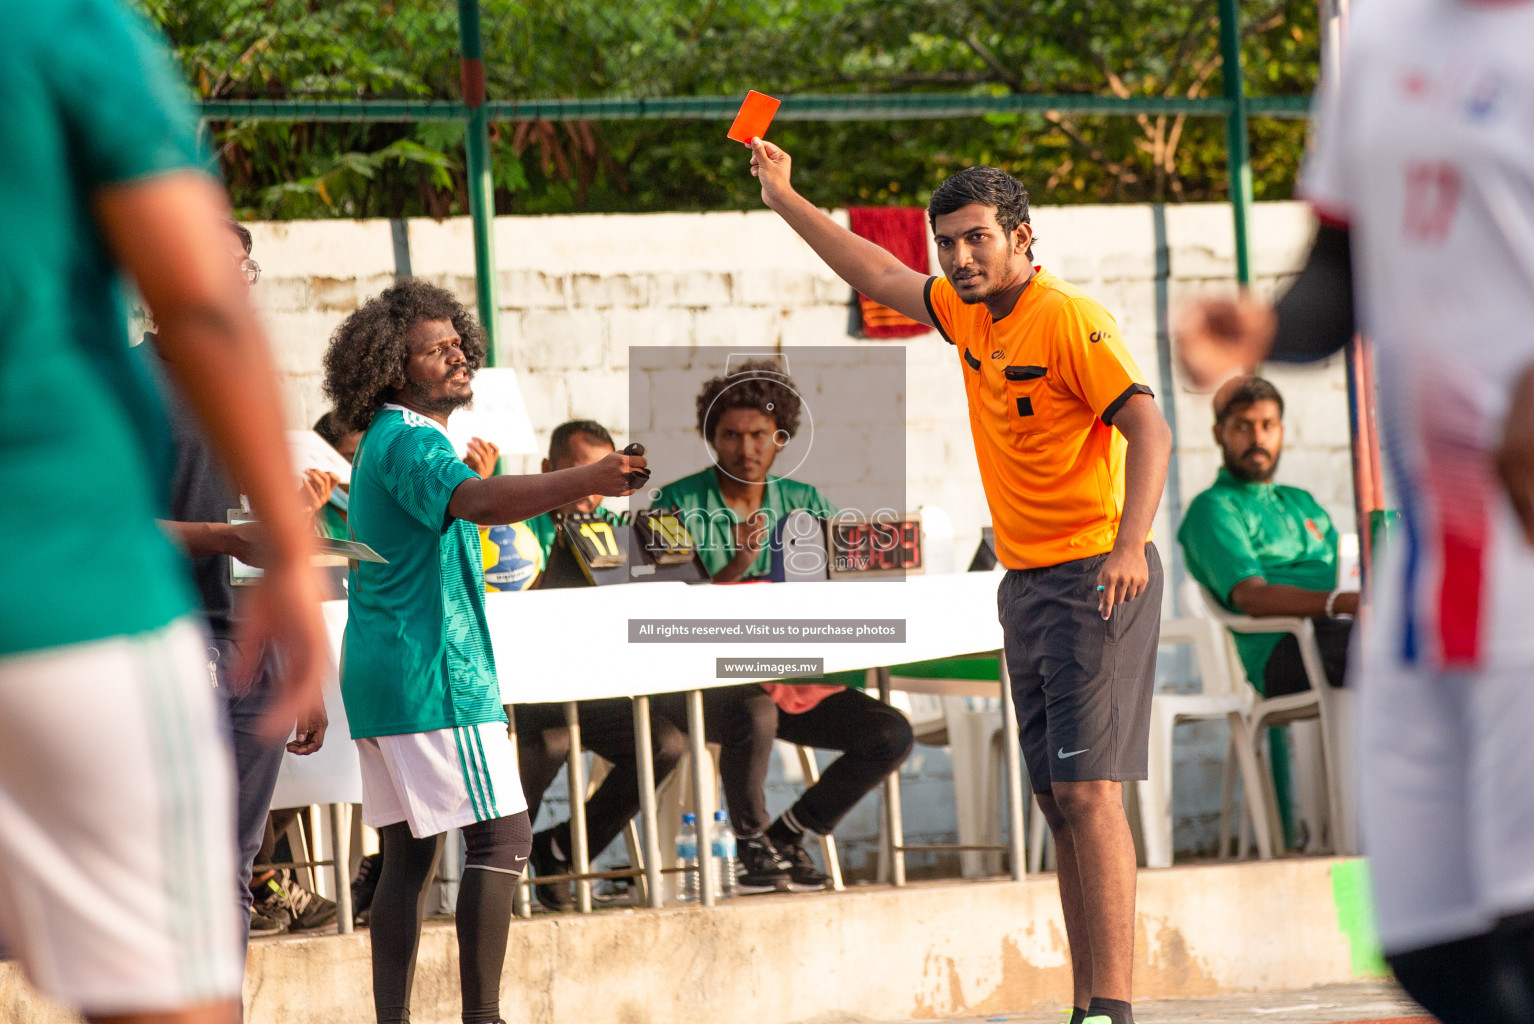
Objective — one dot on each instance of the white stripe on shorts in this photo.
(442, 779)
(116, 814)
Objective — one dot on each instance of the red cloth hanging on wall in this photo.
(902, 231)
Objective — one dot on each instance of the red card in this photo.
(754, 117)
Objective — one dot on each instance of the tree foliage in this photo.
(344, 49)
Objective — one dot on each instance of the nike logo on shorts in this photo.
(1062, 754)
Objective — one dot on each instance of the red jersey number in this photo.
(1432, 197)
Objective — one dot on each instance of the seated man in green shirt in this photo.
(607, 726)
(1266, 549)
(731, 509)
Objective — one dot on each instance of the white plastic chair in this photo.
(971, 729)
(1219, 699)
(1321, 703)
(1153, 795)
(975, 736)
(970, 726)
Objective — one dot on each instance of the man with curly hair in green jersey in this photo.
(417, 672)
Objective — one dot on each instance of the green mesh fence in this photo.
(356, 107)
(920, 58)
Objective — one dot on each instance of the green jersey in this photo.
(712, 523)
(416, 655)
(1236, 531)
(85, 458)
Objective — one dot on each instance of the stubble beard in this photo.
(436, 405)
(1240, 472)
(995, 289)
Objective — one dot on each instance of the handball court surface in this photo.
(1366, 1003)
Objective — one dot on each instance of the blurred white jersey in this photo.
(1425, 150)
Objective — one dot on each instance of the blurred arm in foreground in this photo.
(169, 232)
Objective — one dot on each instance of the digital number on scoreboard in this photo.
(863, 548)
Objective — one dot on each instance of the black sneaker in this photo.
(555, 896)
(761, 868)
(803, 875)
(364, 886)
(305, 909)
(264, 925)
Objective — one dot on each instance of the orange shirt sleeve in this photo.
(1092, 359)
(943, 305)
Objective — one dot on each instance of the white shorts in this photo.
(443, 779)
(1447, 809)
(117, 825)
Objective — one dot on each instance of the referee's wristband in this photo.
(1331, 604)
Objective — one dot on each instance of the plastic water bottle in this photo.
(687, 855)
(722, 846)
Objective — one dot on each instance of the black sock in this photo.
(398, 907)
(496, 854)
(784, 832)
(1116, 1010)
(484, 921)
(1077, 1015)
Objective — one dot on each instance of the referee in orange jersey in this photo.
(1073, 455)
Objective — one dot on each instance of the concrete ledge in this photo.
(875, 954)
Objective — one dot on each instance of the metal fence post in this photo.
(650, 840)
(1237, 151)
(481, 184)
(341, 865)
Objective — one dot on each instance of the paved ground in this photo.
(1376, 1003)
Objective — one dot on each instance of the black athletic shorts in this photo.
(1082, 685)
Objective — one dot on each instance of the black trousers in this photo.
(874, 739)
(1285, 671)
(607, 728)
(743, 720)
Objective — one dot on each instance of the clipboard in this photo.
(331, 552)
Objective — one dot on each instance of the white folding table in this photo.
(571, 645)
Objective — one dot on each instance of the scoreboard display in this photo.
(874, 547)
(592, 550)
(665, 540)
(847, 547)
(597, 543)
(655, 545)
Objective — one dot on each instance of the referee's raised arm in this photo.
(868, 268)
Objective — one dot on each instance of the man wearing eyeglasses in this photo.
(201, 498)
(249, 267)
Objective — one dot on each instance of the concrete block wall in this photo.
(577, 293)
